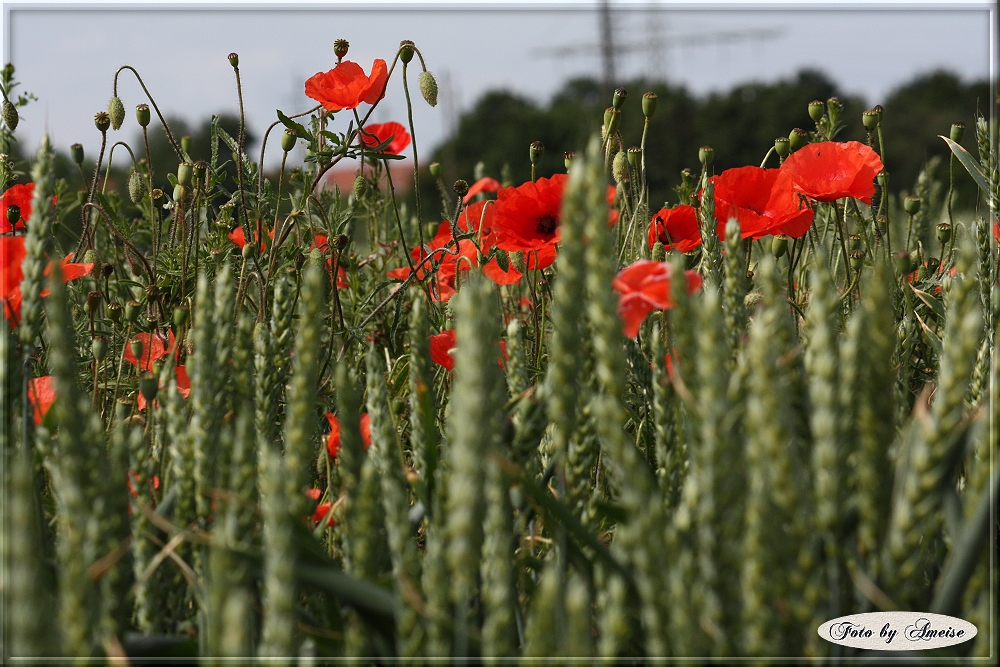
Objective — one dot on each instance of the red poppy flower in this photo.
(645, 286)
(762, 201)
(442, 345)
(41, 394)
(183, 386)
(484, 184)
(16, 195)
(384, 131)
(612, 212)
(346, 85)
(151, 351)
(239, 238)
(12, 255)
(676, 228)
(333, 440)
(527, 217)
(321, 511)
(830, 170)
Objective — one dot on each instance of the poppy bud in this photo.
(185, 144)
(869, 119)
(115, 311)
(299, 259)
(461, 187)
(142, 114)
(797, 138)
(634, 156)
(944, 232)
(619, 168)
(904, 262)
(135, 346)
(148, 385)
(287, 140)
(116, 112)
(816, 110)
(99, 347)
(648, 105)
(249, 251)
(503, 260)
(435, 169)
(659, 252)
(912, 205)
(359, 186)
(9, 113)
(93, 301)
(102, 121)
(178, 192)
(883, 179)
(13, 214)
(611, 118)
(535, 151)
(687, 178)
(180, 316)
(568, 157)
(340, 48)
(136, 187)
(429, 88)
(957, 131)
(781, 147)
(406, 51)
(132, 310)
(779, 244)
(340, 241)
(834, 106)
(619, 98)
(881, 224)
(234, 60)
(123, 409)
(857, 258)
(706, 154)
(77, 151)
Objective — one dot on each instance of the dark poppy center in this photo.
(546, 225)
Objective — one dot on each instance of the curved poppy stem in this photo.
(128, 244)
(416, 161)
(170, 136)
(111, 156)
(84, 222)
(768, 155)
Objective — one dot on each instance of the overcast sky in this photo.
(67, 55)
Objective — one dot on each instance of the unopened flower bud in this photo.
(116, 112)
(132, 311)
(340, 48)
(957, 131)
(535, 151)
(834, 106)
(99, 347)
(287, 140)
(359, 186)
(568, 157)
(779, 245)
(461, 188)
(435, 169)
(706, 154)
(797, 138)
(184, 173)
(912, 205)
(9, 113)
(944, 232)
(135, 347)
(619, 98)
(185, 144)
(234, 60)
(619, 167)
(76, 150)
(612, 117)
(136, 187)
(340, 241)
(299, 259)
(148, 385)
(634, 156)
(142, 114)
(102, 121)
(178, 192)
(180, 317)
(249, 251)
(429, 88)
(406, 51)
(816, 110)
(648, 104)
(883, 179)
(13, 214)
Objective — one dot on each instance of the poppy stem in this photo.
(416, 162)
(166, 128)
(843, 244)
(84, 221)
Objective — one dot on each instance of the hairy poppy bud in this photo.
(99, 347)
(857, 258)
(944, 232)
(706, 154)
(13, 214)
(612, 117)
(132, 310)
(102, 121)
(135, 346)
(185, 144)
(142, 114)
(184, 173)
(816, 110)
(77, 151)
(535, 151)
(435, 169)
(136, 187)
(234, 60)
(659, 253)
(180, 316)
(834, 106)
(148, 385)
(340, 241)
(648, 104)
(461, 188)
(957, 131)
(249, 251)
(9, 114)
(115, 311)
(634, 156)
(287, 140)
(406, 51)
(912, 205)
(116, 112)
(359, 186)
(340, 48)
(619, 168)
(797, 138)
(568, 157)
(779, 245)
(870, 119)
(429, 88)
(619, 98)
(781, 147)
